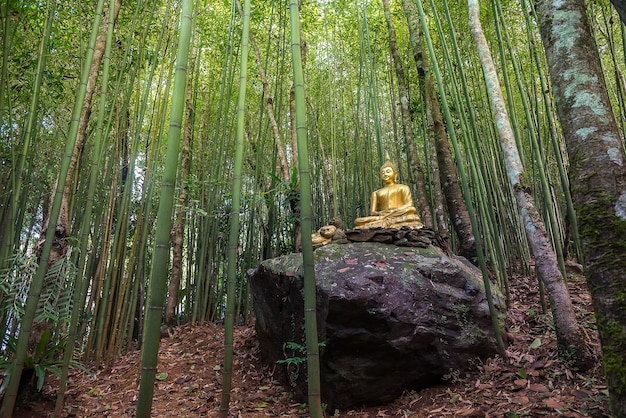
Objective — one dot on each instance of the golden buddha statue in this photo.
(392, 206)
(323, 236)
(329, 233)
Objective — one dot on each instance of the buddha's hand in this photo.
(385, 213)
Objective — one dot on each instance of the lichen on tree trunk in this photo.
(597, 174)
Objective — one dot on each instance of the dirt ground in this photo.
(535, 383)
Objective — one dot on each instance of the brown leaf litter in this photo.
(535, 382)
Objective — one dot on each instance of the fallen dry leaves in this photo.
(535, 383)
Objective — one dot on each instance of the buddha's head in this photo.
(328, 231)
(388, 171)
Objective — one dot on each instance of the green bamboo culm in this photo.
(310, 303)
(233, 236)
(158, 285)
(30, 132)
(549, 210)
(6, 46)
(81, 280)
(464, 183)
(34, 292)
(476, 159)
(372, 84)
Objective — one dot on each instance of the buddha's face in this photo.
(388, 174)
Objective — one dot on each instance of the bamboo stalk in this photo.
(158, 284)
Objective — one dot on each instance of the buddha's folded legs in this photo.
(371, 222)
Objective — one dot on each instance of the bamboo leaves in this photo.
(568, 330)
(51, 232)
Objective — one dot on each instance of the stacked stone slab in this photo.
(403, 237)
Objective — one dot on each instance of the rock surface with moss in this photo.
(389, 318)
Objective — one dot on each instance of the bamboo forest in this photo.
(154, 153)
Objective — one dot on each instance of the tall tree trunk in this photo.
(82, 278)
(59, 249)
(45, 249)
(440, 215)
(178, 229)
(329, 191)
(447, 170)
(571, 341)
(294, 195)
(283, 166)
(407, 123)
(597, 174)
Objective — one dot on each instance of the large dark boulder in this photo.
(389, 318)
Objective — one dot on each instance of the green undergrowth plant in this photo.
(55, 301)
(296, 348)
(49, 328)
(45, 359)
(293, 362)
(298, 357)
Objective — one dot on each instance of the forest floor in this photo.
(535, 383)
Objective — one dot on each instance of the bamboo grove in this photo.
(152, 152)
